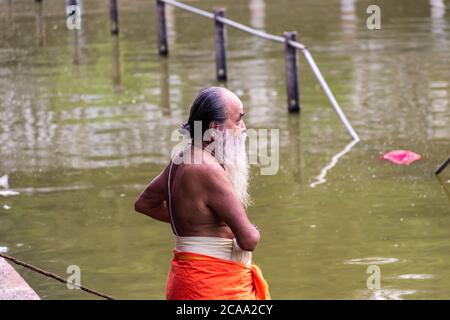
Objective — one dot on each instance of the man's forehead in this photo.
(237, 107)
(233, 103)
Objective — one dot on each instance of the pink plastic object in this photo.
(404, 157)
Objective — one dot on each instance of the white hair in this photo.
(236, 165)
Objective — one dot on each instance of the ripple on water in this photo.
(372, 260)
(33, 190)
(390, 294)
(7, 193)
(415, 276)
(3, 249)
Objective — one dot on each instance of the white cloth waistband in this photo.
(216, 247)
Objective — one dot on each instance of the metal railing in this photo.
(292, 79)
(291, 46)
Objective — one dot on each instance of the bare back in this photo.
(202, 202)
(191, 214)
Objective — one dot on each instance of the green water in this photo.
(86, 121)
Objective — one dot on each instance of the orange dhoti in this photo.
(195, 276)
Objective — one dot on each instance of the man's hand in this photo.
(223, 201)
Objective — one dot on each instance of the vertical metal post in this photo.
(162, 29)
(114, 15)
(221, 58)
(291, 73)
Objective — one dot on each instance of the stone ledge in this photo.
(12, 285)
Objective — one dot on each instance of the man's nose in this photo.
(243, 127)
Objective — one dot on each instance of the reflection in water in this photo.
(444, 185)
(170, 25)
(437, 8)
(76, 50)
(438, 21)
(295, 149)
(334, 160)
(41, 35)
(257, 13)
(349, 20)
(164, 86)
(10, 10)
(372, 260)
(390, 294)
(76, 34)
(415, 276)
(5, 191)
(437, 116)
(4, 181)
(117, 69)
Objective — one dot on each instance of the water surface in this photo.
(86, 121)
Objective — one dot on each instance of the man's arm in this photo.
(151, 201)
(223, 201)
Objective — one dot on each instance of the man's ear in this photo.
(213, 125)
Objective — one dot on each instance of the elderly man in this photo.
(203, 194)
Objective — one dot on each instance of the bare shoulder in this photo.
(208, 172)
(204, 171)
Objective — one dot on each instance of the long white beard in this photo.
(237, 166)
